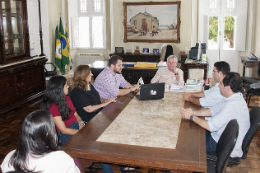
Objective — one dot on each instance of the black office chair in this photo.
(250, 92)
(169, 51)
(15, 172)
(50, 73)
(225, 146)
(251, 80)
(254, 125)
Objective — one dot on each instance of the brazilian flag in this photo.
(64, 50)
(69, 66)
(58, 56)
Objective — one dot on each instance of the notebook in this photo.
(151, 91)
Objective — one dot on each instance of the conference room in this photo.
(151, 135)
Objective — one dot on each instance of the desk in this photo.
(187, 65)
(248, 63)
(189, 155)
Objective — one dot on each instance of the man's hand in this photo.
(176, 74)
(135, 87)
(186, 96)
(186, 113)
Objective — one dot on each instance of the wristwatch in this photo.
(130, 89)
(191, 118)
(82, 122)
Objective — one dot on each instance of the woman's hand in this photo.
(81, 125)
(110, 100)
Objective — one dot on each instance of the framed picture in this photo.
(145, 50)
(119, 50)
(155, 51)
(152, 22)
(137, 48)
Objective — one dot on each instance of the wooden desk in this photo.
(248, 63)
(189, 155)
(186, 66)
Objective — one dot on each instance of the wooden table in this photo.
(189, 155)
(248, 63)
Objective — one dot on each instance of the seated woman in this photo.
(37, 149)
(84, 96)
(87, 102)
(60, 105)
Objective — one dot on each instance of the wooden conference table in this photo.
(189, 155)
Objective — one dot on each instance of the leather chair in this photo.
(254, 121)
(50, 73)
(254, 125)
(251, 80)
(250, 92)
(15, 172)
(225, 146)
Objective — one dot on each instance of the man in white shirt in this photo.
(170, 74)
(233, 106)
(212, 96)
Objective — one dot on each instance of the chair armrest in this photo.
(212, 158)
(52, 65)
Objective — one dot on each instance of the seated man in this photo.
(110, 79)
(212, 96)
(170, 74)
(233, 106)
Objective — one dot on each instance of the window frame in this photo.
(90, 13)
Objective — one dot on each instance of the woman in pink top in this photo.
(66, 119)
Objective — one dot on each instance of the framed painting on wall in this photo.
(152, 22)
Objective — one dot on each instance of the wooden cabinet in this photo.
(21, 76)
(21, 83)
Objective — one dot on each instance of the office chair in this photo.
(225, 146)
(169, 51)
(254, 125)
(15, 172)
(251, 80)
(50, 73)
(250, 92)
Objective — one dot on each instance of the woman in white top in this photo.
(37, 149)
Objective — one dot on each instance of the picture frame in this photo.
(145, 50)
(152, 22)
(155, 51)
(119, 50)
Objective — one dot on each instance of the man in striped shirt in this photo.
(110, 79)
(170, 74)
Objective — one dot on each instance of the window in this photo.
(88, 27)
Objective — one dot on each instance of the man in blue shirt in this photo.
(233, 106)
(212, 96)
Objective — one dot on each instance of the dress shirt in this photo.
(164, 75)
(212, 97)
(107, 83)
(233, 107)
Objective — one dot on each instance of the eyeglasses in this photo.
(215, 71)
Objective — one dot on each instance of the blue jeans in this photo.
(211, 144)
(63, 137)
(107, 168)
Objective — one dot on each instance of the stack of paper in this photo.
(161, 64)
(192, 87)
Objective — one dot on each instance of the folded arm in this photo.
(60, 124)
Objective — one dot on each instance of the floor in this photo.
(10, 125)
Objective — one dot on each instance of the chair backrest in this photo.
(226, 144)
(15, 172)
(254, 124)
(169, 51)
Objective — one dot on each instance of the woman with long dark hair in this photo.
(84, 96)
(60, 105)
(37, 149)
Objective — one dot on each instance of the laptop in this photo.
(151, 91)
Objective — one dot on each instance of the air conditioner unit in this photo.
(88, 58)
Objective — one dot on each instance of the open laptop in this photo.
(151, 91)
